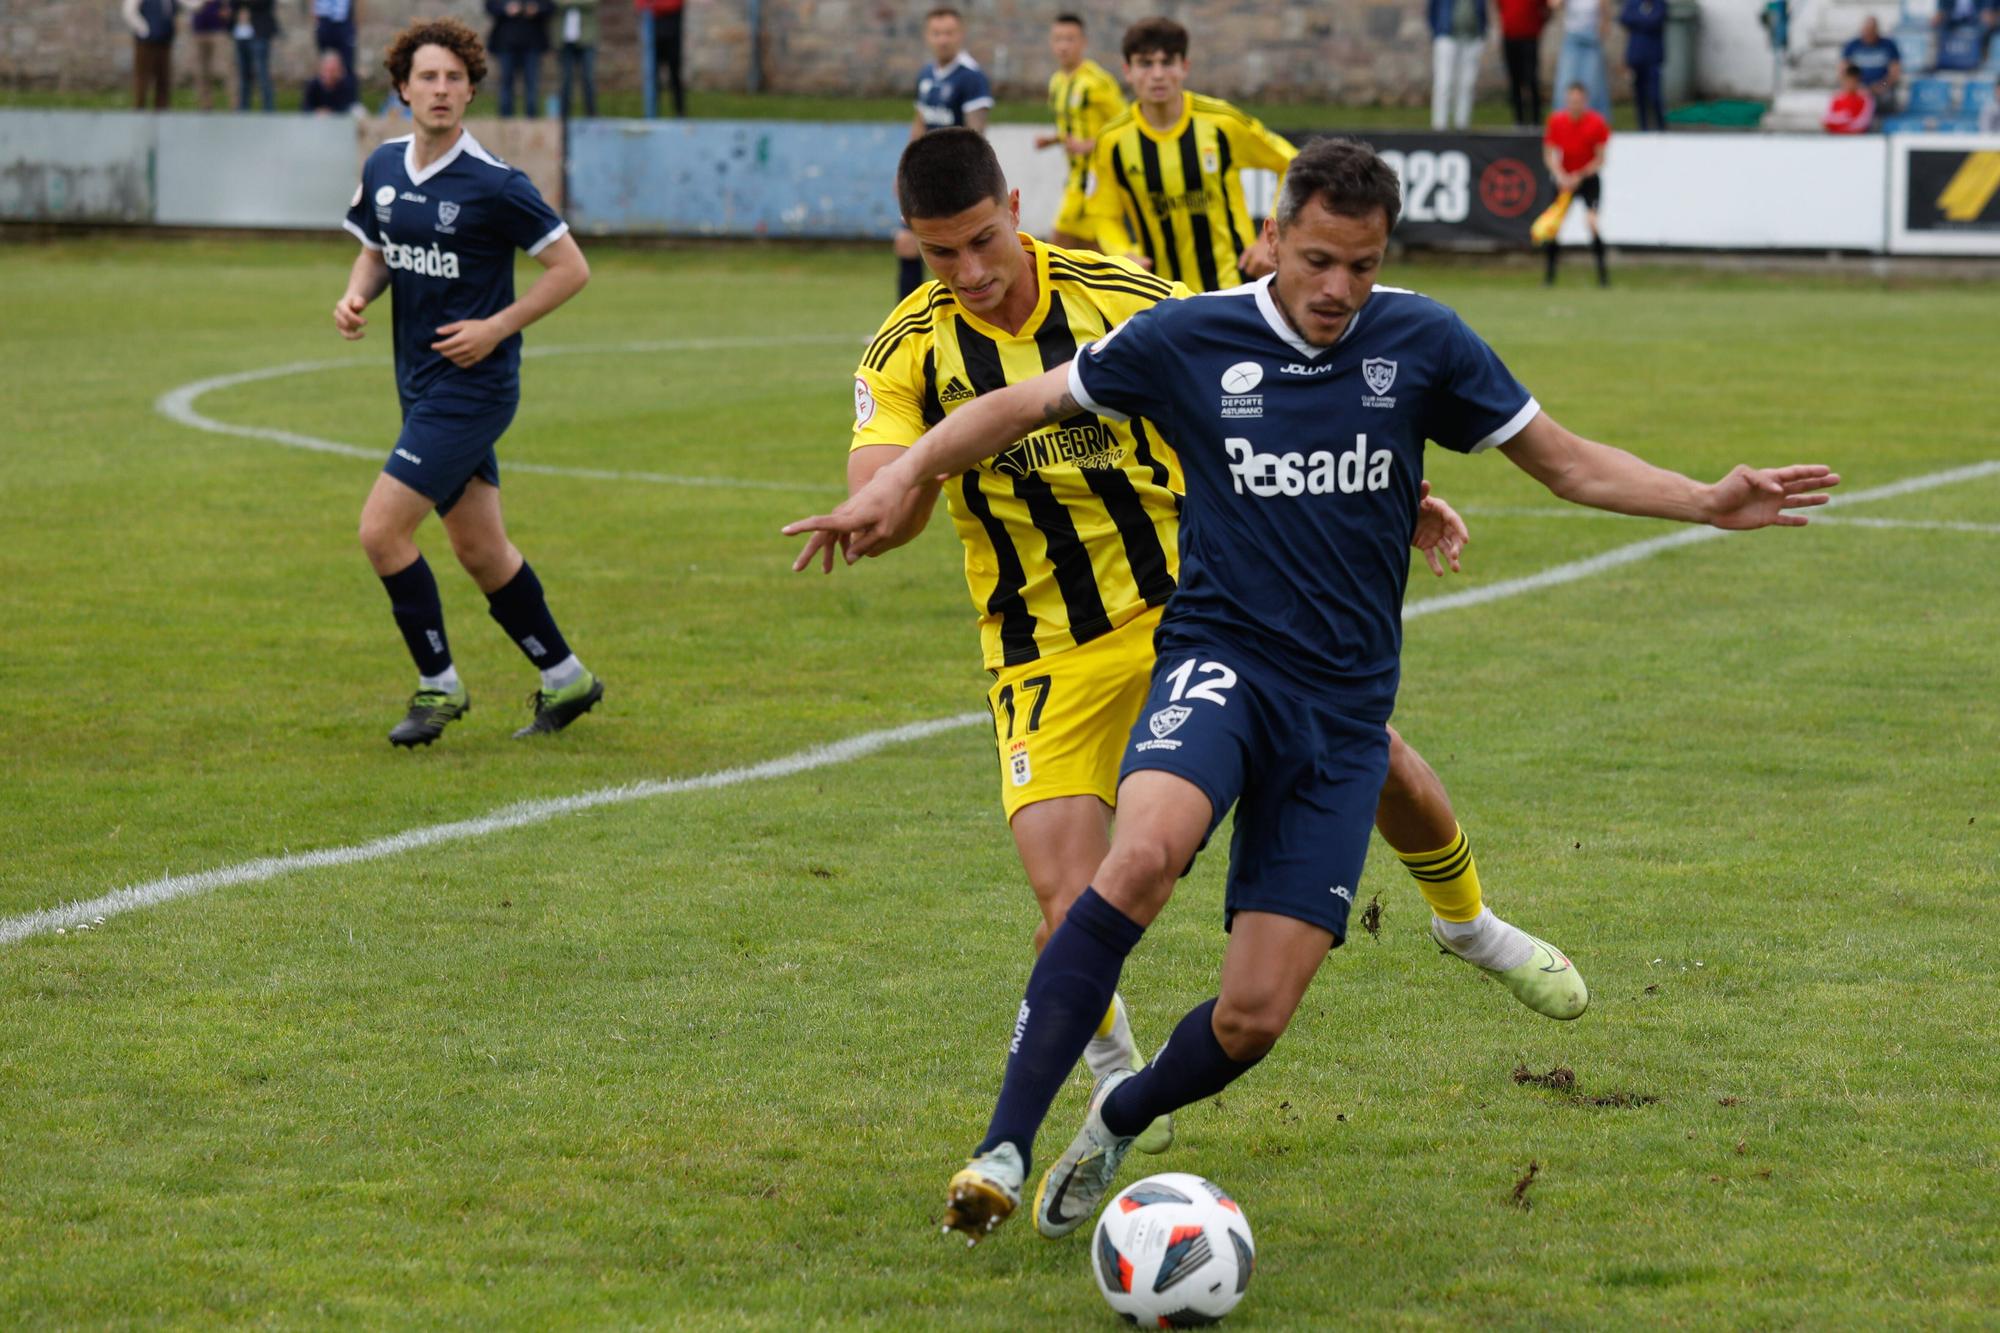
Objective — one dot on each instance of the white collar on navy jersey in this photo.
(466, 144)
(944, 71)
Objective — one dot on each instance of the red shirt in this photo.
(1849, 113)
(1523, 18)
(658, 6)
(1577, 138)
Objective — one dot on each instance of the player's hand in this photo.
(1081, 147)
(347, 316)
(1258, 260)
(1440, 532)
(467, 342)
(1758, 497)
(867, 520)
(1047, 140)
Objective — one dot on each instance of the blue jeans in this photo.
(1581, 60)
(525, 68)
(253, 65)
(1646, 94)
(580, 60)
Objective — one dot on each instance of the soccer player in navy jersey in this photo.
(439, 219)
(1300, 405)
(952, 93)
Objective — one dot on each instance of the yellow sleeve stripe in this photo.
(889, 338)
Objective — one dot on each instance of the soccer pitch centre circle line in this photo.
(178, 405)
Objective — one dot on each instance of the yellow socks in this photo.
(1448, 878)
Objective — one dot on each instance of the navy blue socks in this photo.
(1068, 992)
(1191, 1066)
(413, 597)
(523, 612)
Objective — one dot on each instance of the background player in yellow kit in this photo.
(1168, 187)
(1082, 97)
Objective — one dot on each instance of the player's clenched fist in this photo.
(347, 316)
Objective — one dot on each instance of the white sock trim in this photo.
(562, 673)
(447, 682)
(1485, 941)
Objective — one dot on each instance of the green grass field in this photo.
(705, 1059)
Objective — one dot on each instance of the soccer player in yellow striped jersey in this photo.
(1082, 97)
(1168, 187)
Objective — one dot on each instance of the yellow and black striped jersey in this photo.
(1082, 100)
(1176, 195)
(1074, 531)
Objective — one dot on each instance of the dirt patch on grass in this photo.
(1371, 918)
(1520, 1197)
(1619, 1098)
(1561, 1079)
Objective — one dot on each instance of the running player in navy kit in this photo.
(439, 220)
(952, 93)
(1299, 405)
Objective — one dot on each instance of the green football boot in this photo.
(1547, 983)
(430, 712)
(556, 709)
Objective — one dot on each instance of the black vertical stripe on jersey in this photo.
(1075, 579)
(1137, 213)
(1143, 451)
(1056, 342)
(1200, 235)
(933, 410)
(1149, 158)
(1238, 227)
(1017, 622)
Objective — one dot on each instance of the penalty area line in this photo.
(520, 815)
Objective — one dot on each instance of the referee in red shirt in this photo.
(1573, 147)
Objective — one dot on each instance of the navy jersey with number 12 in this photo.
(1302, 468)
(448, 233)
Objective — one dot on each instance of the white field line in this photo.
(168, 888)
(178, 405)
(1624, 555)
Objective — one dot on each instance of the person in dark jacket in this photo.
(520, 35)
(254, 26)
(152, 25)
(1645, 51)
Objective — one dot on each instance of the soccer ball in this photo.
(1172, 1251)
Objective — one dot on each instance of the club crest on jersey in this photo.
(1379, 375)
(1239, 385)
(1209, 161)
(1168, 720)
(1017, 764)
(447, 214)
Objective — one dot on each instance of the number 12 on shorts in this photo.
(1215, 678)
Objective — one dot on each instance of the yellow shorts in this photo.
(1070, 216)
(1061, 723)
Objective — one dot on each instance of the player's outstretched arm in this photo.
(1587, 473)
(365, 281)
(989, 423)
(467, 342)
(862, 465)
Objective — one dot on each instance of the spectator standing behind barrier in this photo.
(1521, 23)
(152, 25)
(1852, 110)
(1977, 16)
(335, 23)
(1645, 24)
(952, 92)
(1458, 32)
(1880, 62)
(1574, 147)
(332, 91)
(520, 35)
(1585, 23)
(669, 48)
(576, 31)
(210, 25)
(253, 25)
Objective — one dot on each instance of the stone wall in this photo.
(1354, 51)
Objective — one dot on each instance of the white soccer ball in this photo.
(1172, 1251)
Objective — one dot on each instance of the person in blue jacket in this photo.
(1645, 24)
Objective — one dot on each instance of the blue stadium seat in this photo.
(1958, 47)
(1977, 95)
(1930, 99)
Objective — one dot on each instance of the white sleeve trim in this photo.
(1082, 395)
(978, 104)
(562, 229)
(1515, 425)
(359, 234)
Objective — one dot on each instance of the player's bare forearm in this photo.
(369, 277)
(564, 273)
(1603, 477)
(988, 424)
(915, 516)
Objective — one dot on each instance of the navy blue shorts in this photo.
(1304, 778)
(448, 440)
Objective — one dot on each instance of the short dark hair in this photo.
(450, 34)
(946, 172)
(1149, 35)
(1850, 71)
(944, 12)
(1073, 19)
(1577, 86)
(1347, 176)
